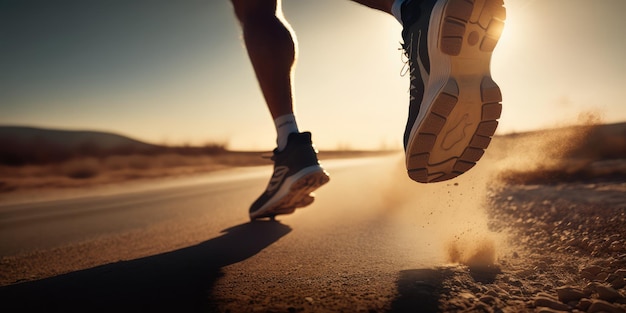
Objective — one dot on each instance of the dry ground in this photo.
(557, 198)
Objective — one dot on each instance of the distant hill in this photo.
(606, 141)
(602, 141)
(69, 138)
(29, 145)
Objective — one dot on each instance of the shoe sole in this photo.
(294, 193)
(461, 102)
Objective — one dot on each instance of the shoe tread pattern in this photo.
(466, 23)
(489, 15)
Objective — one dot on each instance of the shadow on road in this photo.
(177, 281)
(419, 290)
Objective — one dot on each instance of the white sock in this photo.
(285, 125)
(395, 9)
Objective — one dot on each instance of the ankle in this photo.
(285, 125)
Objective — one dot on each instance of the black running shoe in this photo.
(297, 173)
(454, 104)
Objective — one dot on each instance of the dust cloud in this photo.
(450, 215)
(479, 253)
(453, 213)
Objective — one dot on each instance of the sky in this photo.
(176, 72)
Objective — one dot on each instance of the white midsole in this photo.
(285, 188)
(440, 67)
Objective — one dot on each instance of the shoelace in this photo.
(406, 61)
(405, 56)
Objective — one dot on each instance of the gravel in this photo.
(567, 252)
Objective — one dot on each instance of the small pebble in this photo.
(568, 293)
(551, 303)
(598, 306)
(608, 293)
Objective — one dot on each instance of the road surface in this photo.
(370, 242)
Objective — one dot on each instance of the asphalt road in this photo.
(370, 242)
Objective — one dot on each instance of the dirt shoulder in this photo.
(559, 200)
(567, 252)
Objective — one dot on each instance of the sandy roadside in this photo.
(560, 204)
(566, 254)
